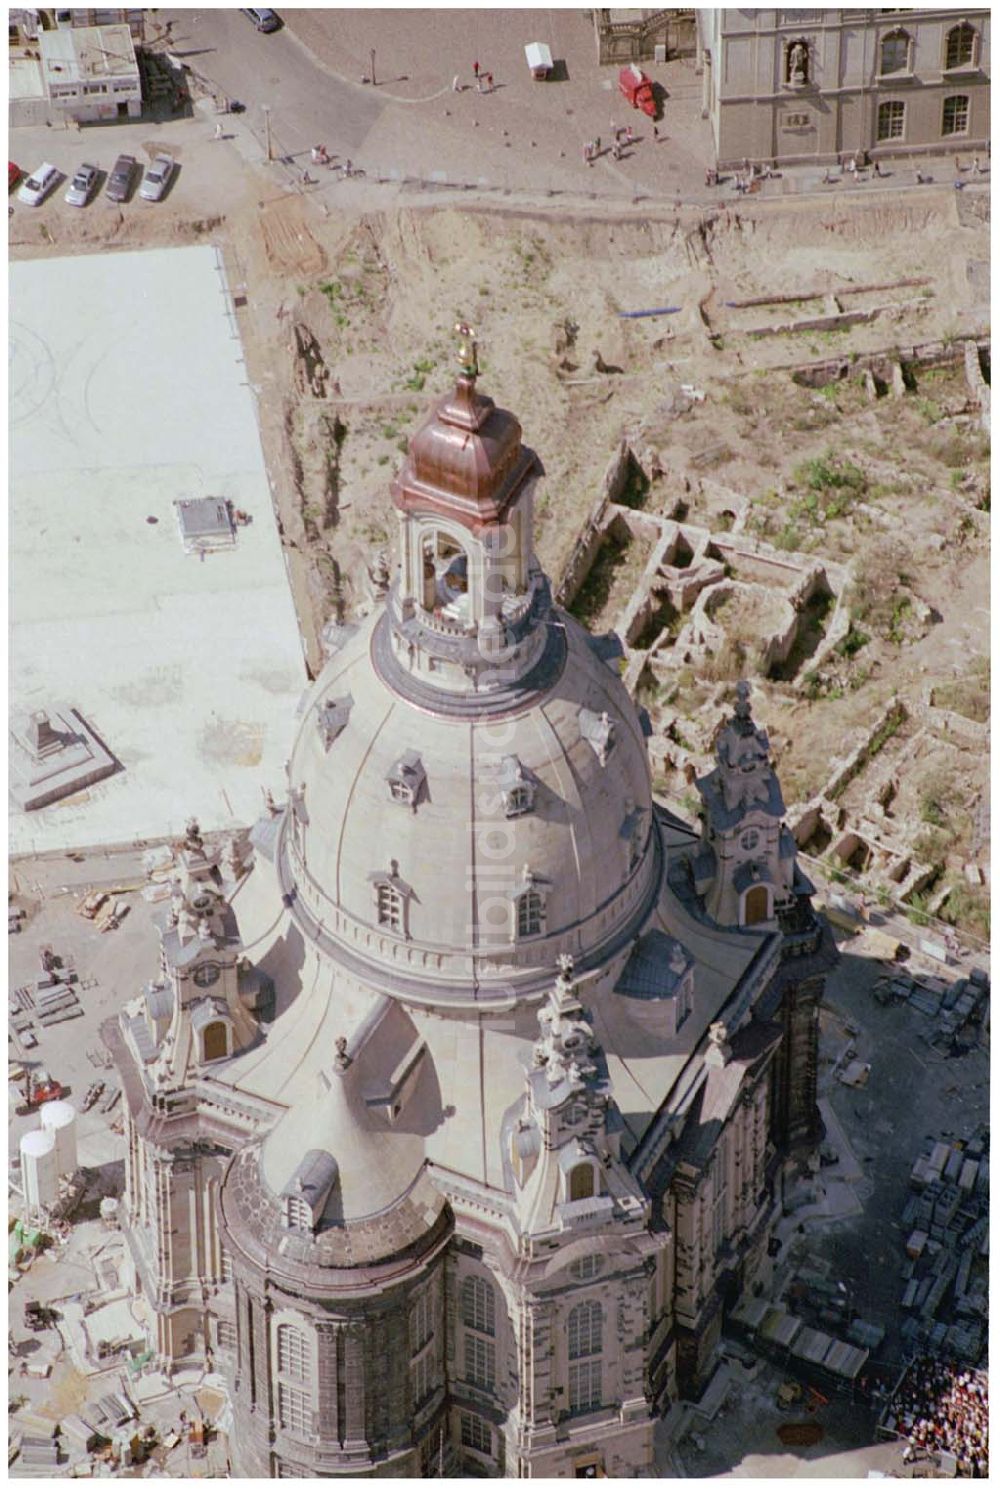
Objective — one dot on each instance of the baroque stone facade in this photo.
(454, 1118)
(799, 86)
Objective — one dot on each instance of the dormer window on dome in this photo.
(332, 718)
(599, 732)
(517, 787)
(633, 832)
(305, 1196)
(406, 779)
(391, 896)
(529, 903)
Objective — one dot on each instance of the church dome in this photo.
(453, 857)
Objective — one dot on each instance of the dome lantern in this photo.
(471, 602)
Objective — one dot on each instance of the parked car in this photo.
(120, 180)
(157, 178)
(264, 20)
(14, 174)
(38, 185)
(83, 183)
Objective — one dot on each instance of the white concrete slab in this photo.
(128, 392)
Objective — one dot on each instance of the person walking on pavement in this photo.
(219, 131)
(475, 72)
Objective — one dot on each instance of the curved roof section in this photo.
(455, 854)
(466, 460)
(367, 1110)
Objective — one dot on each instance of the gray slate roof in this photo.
(656, 968)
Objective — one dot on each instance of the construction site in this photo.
(764, 428)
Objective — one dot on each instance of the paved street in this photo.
(412, 124)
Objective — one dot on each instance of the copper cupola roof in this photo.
(467, 460)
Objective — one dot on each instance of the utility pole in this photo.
(267, 128)
(371, 58)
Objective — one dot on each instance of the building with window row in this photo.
(453, 1121)
(800, 86)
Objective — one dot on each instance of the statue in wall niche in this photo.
(381, 572)
(797, 63)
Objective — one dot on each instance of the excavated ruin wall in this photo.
(592, 534)
(978, 385)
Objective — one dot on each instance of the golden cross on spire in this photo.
(468, 352)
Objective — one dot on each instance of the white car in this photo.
(38, 185)
(157, 178)
(82, 184)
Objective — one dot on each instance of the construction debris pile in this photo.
(946, 1221)
(956, 1009)
(51, 999)
(944, 1412)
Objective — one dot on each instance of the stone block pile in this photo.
(946, 1224)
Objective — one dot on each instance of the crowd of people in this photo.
(940, 1408)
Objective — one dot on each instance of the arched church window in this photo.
(479, 1319)
(585, 1330)
(581, 1182)
(293, 1353)
(530, 913)
(895, 53)
(294, 1373)
(755, 905)
(955, 115)
(960, 46)
(584, 1341)
(478, 1306)
(215, 1041)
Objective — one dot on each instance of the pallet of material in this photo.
(58, 990)
(34, 1425)
(60, 1017)
(79, 1432)
(54, 1005)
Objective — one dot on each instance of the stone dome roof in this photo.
(388, 797)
